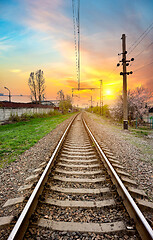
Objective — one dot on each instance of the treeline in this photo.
(139, 103)
(101, 111)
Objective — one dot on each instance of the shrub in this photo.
(14, 118)
(96, 110)
(54, 113)
(27, 116)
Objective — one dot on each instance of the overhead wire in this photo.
(143, 67)
(142, 52)
(137, 42)
(140, 38)
(112, 71)
(141, 35)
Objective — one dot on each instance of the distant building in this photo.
(17, 108)
(54, 103)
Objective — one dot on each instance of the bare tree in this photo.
(36, 84)
(32, 86)
(40, 80)
(60, 95)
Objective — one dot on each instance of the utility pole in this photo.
(9, 93)
(125, 63)
(91, 103)
(125, 106)
(102, 101)
(101, 97)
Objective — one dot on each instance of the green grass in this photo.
(17, 137)
(141, 132)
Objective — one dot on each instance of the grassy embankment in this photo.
(17, 137)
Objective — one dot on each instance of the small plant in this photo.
(14, 118)
(54, 113)
(25, 117)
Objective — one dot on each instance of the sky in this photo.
(39, 34)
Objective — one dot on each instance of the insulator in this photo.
(127, 64)
(132, 59)
(118, 64)
(131, 72)
(125, 52)
(121, 73)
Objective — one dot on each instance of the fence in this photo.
(146, 122)
(7, 108)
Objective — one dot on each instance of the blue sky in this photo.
(37, 34)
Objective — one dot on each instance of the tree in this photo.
(138, 103)
(96, 110)
(36, 84)
(60, 95)
(118, 109)
(65, 103)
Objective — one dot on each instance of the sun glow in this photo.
(108, 92)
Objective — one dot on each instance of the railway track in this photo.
(77, 196)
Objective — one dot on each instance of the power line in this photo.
(140, 38)
(143, 66)
(142, 51)
(112, 71)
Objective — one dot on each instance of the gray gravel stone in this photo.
(135, 154)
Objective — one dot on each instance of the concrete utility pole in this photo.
(125, 105)
(125, 63)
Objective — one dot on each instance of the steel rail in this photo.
(23, 221)
(142, 225)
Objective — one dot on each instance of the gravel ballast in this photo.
(130, 151)
(135, 162)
